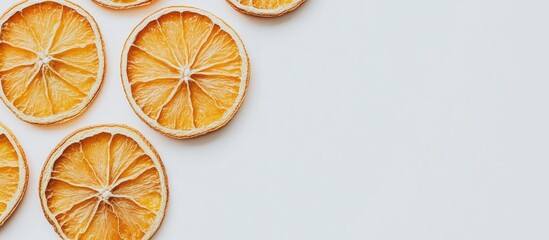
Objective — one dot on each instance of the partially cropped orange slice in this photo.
(122, 4)
(14, 173)
(104, 182)
(265, 8)
(51, 60)
(184, 71)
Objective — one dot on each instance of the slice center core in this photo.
(105, 194)
(44, 59)
(186, 74)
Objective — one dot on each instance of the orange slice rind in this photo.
(104, 182)
(184, 72)
(14, 173)
(265, 8)
(51, 60)
(122, 4)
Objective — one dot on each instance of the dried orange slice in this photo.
(104, 182)
(51, 60)
(14, 173)
(184, 71)
(122, 4)
(265, 8)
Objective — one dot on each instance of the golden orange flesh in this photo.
(105, 186)
(13, 174)
(49, 62)
(265, 4)
(185, 72)
(9, 172)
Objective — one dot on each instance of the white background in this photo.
(379, 120)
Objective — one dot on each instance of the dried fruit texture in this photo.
(51, 60)
(184, 71)
(14, 173)
(265, 8)
(122, 4)
(104, 182)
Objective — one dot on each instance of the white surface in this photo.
(366, 119)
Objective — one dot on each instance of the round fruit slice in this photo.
(184, 71)
(51, 60)
(14, 173)
(104, 182)
(122, 4)
(265, 8)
